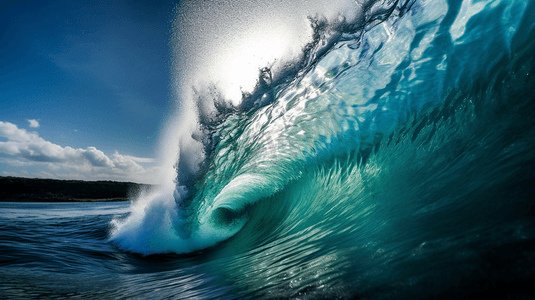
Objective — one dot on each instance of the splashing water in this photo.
(311, 133)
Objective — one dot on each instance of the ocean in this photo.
(391, 158)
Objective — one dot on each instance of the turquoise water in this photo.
(394, 160)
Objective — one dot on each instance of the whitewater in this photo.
(351, 149)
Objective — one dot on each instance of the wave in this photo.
(420, 107)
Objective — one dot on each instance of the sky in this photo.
(84, 88)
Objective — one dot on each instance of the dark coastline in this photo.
(16, 189)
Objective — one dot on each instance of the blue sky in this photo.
(86, 76)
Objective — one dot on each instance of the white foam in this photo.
(155, 224)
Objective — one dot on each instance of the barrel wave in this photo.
(393, 148)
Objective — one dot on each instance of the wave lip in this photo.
(243, 190)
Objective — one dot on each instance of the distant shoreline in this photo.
(53, 200)
(17, 189)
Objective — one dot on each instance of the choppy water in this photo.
(394, 160)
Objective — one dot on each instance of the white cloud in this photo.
(53, 167)
(140, 159)
(15, 174)
(97, 158)
(33, 123)
(25, 149)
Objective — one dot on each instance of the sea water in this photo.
(394, 158)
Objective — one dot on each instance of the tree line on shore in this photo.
(16, 189)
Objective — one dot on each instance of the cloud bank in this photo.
(25, 149)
